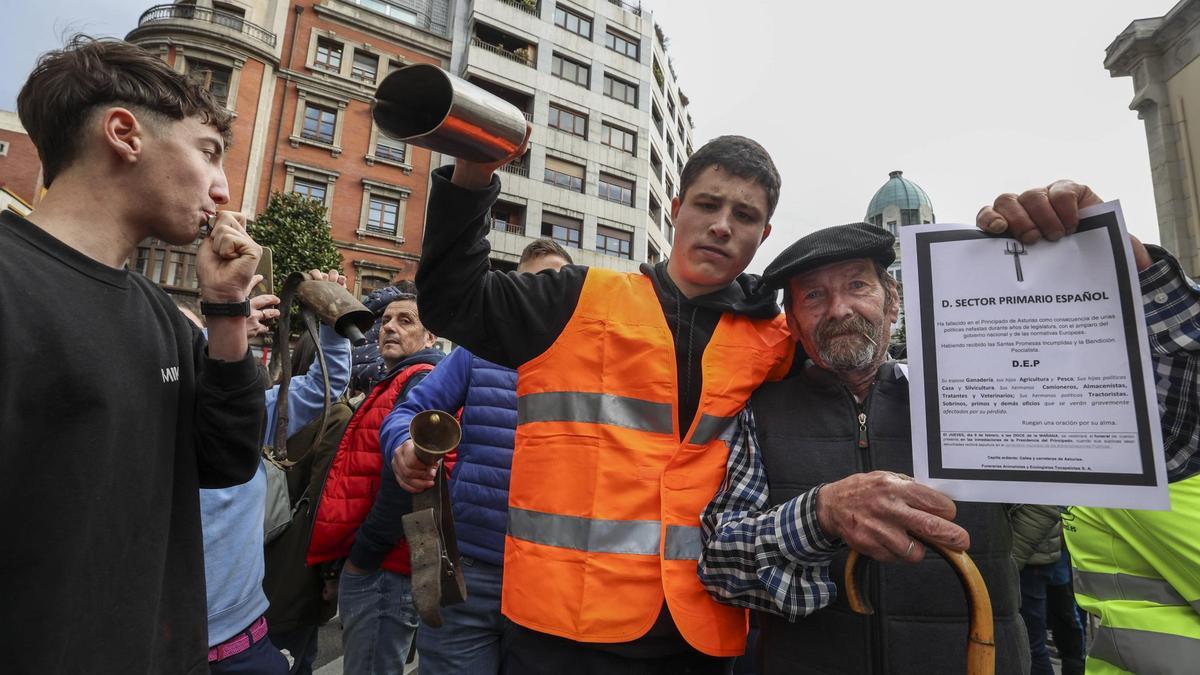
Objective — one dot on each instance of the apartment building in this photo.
(611, 127)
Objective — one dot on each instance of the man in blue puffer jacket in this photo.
(468, 642)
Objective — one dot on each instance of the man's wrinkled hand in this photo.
(1049, 212)
(226, 259)
(411, 473)
(885, 516)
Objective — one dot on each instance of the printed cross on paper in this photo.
(1016, 249)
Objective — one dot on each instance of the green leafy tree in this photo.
(297, 230)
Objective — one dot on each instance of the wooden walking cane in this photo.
(981, 643)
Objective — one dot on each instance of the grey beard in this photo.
(847, 357)
(850, 356)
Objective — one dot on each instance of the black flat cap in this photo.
(831, 245)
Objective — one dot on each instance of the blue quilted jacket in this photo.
(487, 394)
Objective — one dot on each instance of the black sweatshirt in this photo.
(511, 318)
(111, 418)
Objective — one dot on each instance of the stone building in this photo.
(1160, 54)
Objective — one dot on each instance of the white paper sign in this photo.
(1029, 372)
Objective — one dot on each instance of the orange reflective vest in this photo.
(605, 501)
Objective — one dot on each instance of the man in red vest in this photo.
(358, 518)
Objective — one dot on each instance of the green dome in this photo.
(900, 192)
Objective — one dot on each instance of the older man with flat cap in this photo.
(818, 465)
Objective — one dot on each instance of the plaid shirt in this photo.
(1172, 303)
(776, 559)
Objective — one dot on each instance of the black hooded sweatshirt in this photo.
(510, 318)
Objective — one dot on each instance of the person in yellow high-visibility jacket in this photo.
(1139, 571)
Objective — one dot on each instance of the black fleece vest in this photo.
(808, 430)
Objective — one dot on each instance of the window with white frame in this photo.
(383, 210)
(213, 78)
(329, 54)
(315, 190)
(391, 149)
(319, 123)
(383, 215)
(365, 66)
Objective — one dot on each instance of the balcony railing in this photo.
(528, 115)
(527, 6)
(501, 51)
(636, 9)
(208, 15)
(518, 168)
(505, 226)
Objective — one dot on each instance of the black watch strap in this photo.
(226, 308)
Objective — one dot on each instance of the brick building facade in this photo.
(20, 170)
(299, 78)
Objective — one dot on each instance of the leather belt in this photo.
(437, 579)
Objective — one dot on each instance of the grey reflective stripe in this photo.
(1104, 586)
(683, 543)
(708, 428)
(639, 537)
(1143, 651)
(575, 406)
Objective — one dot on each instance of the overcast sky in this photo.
(968, 98)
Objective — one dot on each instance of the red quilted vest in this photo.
(354, 477)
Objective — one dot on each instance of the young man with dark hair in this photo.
(625, 381)
(109, 433)
(469, 639)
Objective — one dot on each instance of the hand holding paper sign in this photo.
(1050, 213)
(1029, 379)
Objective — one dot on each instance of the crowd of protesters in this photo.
(647, 459)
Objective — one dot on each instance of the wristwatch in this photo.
(226, 308)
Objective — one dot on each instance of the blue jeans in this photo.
(468, 643)
(1048, 602)
(378, 621)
